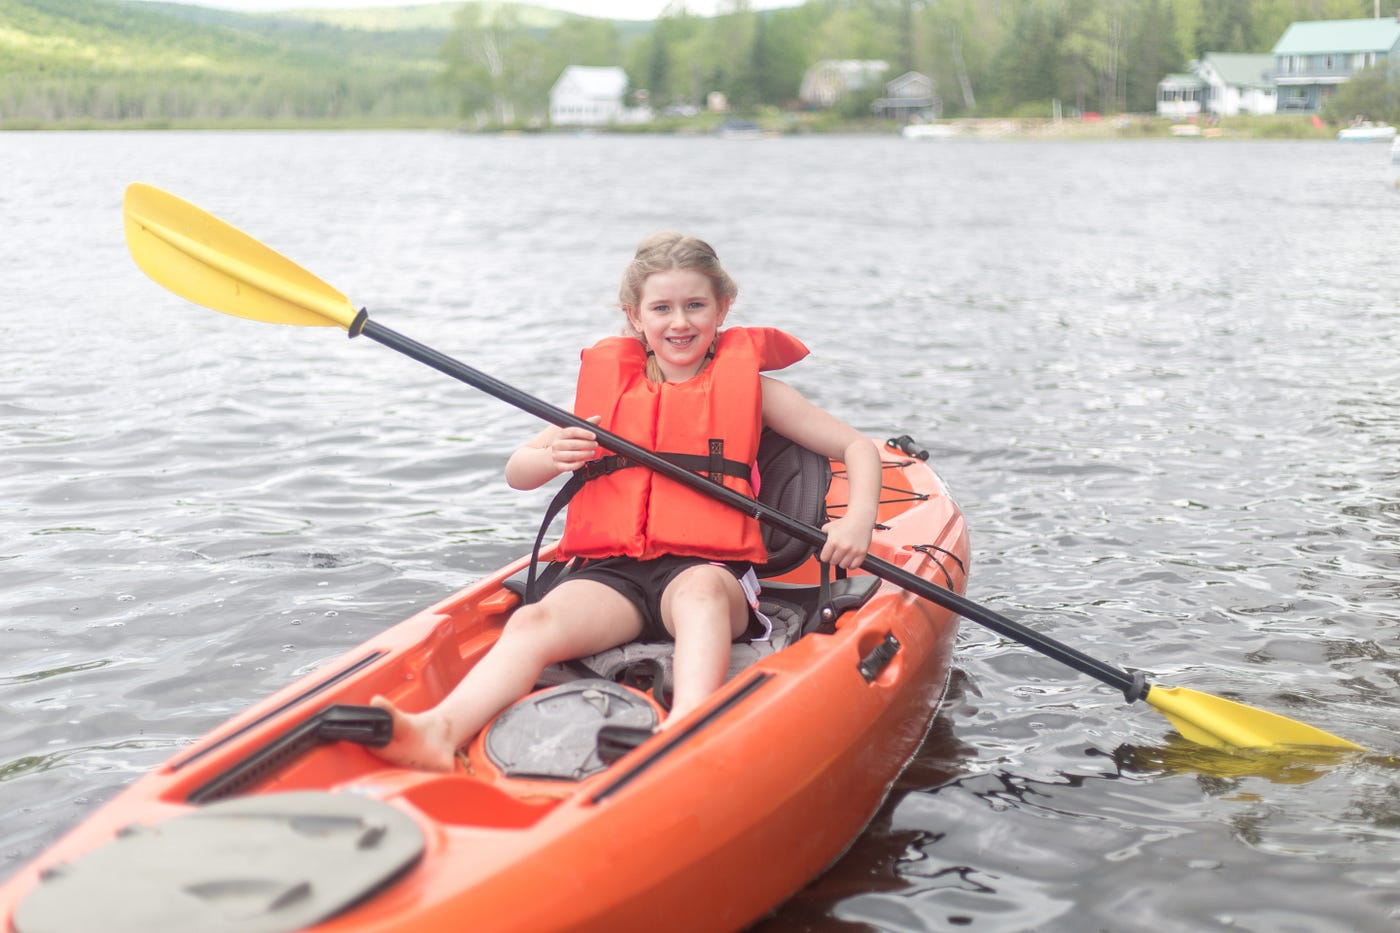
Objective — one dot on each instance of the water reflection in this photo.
(1178, 756)
(55, 672)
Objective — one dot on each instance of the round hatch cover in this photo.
(554, 733)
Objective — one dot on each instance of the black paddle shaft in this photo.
(1133, 686)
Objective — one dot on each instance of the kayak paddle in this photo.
(207, 261)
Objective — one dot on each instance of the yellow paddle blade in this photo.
(199, 257)
(1225, 724)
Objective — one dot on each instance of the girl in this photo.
(661, 561)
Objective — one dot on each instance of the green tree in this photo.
(1028, 58)
(863, 29)
(1372, 94)
(783, 52)
(493, 64)
(1092, 52)
(1153, 52)
(727, 51)
(952, 49)
(666, 59)
(1226, 26)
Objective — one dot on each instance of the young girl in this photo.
(662, 561)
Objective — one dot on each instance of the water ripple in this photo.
(1169, 425)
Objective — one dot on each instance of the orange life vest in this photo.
(715, 414)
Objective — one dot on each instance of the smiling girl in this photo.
(659, 561)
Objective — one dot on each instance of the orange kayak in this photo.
(282, 820)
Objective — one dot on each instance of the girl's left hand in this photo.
(846, 542)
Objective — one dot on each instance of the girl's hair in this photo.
(666, 252)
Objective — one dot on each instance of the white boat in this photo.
(1367, 132)
(929, 131)
(1395, 150)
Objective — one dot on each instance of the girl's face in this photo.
(679, 315)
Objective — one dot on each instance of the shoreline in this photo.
(1123, 127)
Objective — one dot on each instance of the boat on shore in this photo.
(740, 129)
(1366, 132)
(568, 812)
(929, 131)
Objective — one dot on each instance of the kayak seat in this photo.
(793, 480)
(794, 609)
(821, 605)
(647, 665)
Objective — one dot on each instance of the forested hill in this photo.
(491, 63)
(107, 61)
(58, 36)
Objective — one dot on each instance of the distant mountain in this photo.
(62, 36)
(104, 61)
(430, 16)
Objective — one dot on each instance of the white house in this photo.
(1222, 84)
(1238, 83)
(830, 80)
(588, 96)
(1180, 96)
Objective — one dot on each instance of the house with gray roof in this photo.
(1222, 84)
(909, 97)
(1238, 84)
(1312, 59)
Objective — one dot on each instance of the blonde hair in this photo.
(666, 252)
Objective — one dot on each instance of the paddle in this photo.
(209, 262)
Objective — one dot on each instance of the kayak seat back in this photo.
(793, 480)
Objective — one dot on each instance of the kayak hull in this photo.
(707, 825)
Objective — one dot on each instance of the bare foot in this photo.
(420, 740)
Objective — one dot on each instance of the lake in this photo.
(1162, 379)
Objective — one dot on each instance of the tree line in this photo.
(101, 62)
(988, 57)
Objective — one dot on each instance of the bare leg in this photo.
(704, 609)
(576, 619)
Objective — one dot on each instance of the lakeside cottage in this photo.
(1180, 96)
(588, 96)
(1220, 84)
(830, 80)
(1237, 84)
(1312, 59)
(910, 98)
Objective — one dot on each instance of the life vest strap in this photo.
(713, 465)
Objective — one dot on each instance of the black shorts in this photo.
(641, 583)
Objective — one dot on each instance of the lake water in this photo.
(1162, 379)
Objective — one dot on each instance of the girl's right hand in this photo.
(571, 448)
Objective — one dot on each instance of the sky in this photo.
(610, 9)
